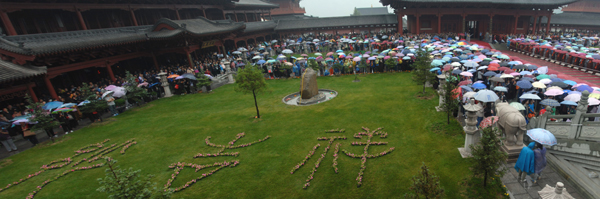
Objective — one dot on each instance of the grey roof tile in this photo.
(10, 71)
(575, 18)
(520, 2)
(337, 21)
(260, 25)
(255, 3)
(373, 11)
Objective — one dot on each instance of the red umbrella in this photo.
(465, 82)
(488, 121)
(447, 67)
(494, 64)
(503, 68)
(492, 68)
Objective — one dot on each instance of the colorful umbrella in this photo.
(488, 121)
(542, 136)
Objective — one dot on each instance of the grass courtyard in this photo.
(174, 130)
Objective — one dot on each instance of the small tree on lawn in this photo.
(421, 74)
(203, 80)
(134, 92)
(389, 64)
(313, 64)
(251, 80)
(126, 184)
(450, 103)
(487, 156)
(40, 116)
(425, 185)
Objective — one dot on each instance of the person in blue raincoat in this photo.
(296, 69)
(526, 163)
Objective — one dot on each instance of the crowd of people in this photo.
(474, 67)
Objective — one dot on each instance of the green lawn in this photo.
(173, 130)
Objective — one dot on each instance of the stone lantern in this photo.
(227, 66)
(440, 91)
(470, 128)
(165, 84)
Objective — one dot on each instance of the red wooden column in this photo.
(236, 18)
(31, 93)
(418, 23)
(270, 18)
(110, 72)
(464, 17)
(135, 23)
(50, 87)
(516, 24)
(179, 18)
(548, 24)
(400, 24)
(223, 14)
(10, 29)
(155, 62)
(246, 16)
(80, 17)
(190, 61)
(534, 23)
(439, 23)
(204, 13)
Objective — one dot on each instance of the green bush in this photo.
(126, 184)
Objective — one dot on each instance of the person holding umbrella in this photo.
(526, 162)
(110, 101)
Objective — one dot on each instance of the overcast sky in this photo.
(332, 8)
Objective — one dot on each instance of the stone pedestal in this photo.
(309, 87)
(472, 135)
(165, 84)
(513, 152)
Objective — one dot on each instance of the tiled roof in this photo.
(575, 18)
(373, 11)
(519, 2)
(10, 71)
(255, 3)
(259, 26)
(337, 21)
(200, 26)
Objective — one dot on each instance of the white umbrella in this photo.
(530, 96)
(486, 96)
(107, 93)
(256, 57)
(119, 92)
(287, 51)
(573, 97)
(236, 52)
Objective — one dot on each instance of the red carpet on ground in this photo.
(561, 71)
(481, 43)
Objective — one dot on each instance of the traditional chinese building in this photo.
(475, 17)
(581, 16)
(287, 9)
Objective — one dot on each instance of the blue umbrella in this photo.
(478, 86)
(524, 84)
(550, 102)
(569, 82)
(572, 103)
(556, 79)
(528, 79)
(434, 69)
(466, 88)
(84, 103)
(52, 105)
(339, 51)
(489, 74)
(582, 88)
(260, 62)
(486, 96)
(542, 136)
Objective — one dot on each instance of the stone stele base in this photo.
(463, 153)
(513, 152)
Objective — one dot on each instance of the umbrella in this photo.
(191, 76)
(488, 121)
(566, 102)
(573, 97)
(119, 92)
(261, 62)
(466, 88)
(593, 101)
(542, 136)
(478, 86)
(52, 105)
(528, 79)
(530, 96)
(546, 81)
(569, 82)
(84, 103)
(550, 102)
(60, 110)
(524, 84)
(142, 84)
(67, 105)
(486, 96)
(110, 87)
(456, 72)
(467, 74)
(178, 78)
(236, 52)
(553, 92)
(356, 59)
(170, 76)
(506, 76)
(489, 74)
(287, 51)
(538, 85)
(560, 84)
(434, 69)
(465, 82)
(544, 76)
(496, 79)
(518, 106)
(582, 88)
(501, 89)
(471, 64)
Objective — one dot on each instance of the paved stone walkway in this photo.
(521, 190)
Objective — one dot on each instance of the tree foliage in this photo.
(203, 80)
(313, 64)
(421, 74)
(450, 103)
(41, 117)
(487, 157)
(251, 80)
(127, 184)
(390, 64)
(95, 105)
(425, 185)
(134, 92)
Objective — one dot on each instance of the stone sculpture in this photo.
(309, 88)
(511, 123)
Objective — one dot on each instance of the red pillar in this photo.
(270, 18)
(190, 61)
(418, 24)
(400, 24)
(516, 23)
(135, 23)
(236, 18)
(10, 29)
(110, 72)
(155, 62)
(31, 93)
(81, 21)
(223, 14)
(204, 13)
(246, 18)
(439, 23)
(534, 23)
(548, 24)
(50, 88)
(177, 14)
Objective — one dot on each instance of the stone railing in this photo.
(577, 154)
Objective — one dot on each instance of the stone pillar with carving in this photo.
(227, 66)
(471, 135)
(582, 106)
(165, 84)
(440, 91)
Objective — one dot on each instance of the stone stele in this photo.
(309, 87)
